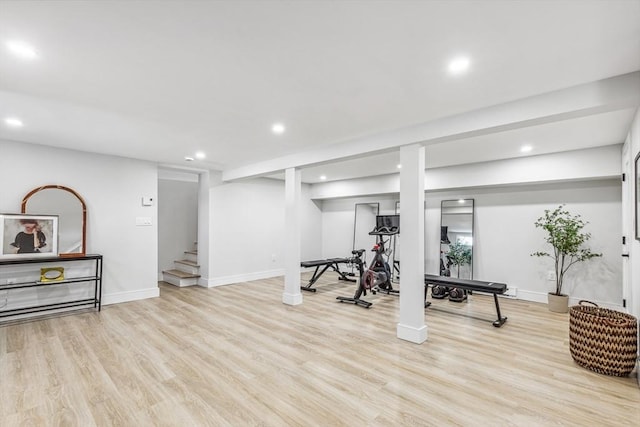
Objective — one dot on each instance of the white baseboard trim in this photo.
(532, 296)
(130, 296)
(541, 297)
(239, 278)
(292, 299)
(412, 334)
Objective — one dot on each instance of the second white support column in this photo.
(292, 189)
(411, 326)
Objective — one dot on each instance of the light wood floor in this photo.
(236, 356)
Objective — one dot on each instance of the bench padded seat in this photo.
(322, 265)
(471, 285)
(320, 262)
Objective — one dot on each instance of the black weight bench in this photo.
(469, 285)
(325, 264)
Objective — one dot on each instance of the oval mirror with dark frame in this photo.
(456, 238)
(72, 215)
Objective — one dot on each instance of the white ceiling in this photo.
(158, 80)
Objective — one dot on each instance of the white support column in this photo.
(204, 240)
(292, 189)
(412, 325)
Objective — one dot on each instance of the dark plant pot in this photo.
(558, 303)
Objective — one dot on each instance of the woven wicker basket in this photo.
(603, 340)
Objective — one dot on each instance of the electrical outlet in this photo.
(143, 221)
(551, 275)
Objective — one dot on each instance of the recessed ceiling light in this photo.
(461, 201)
(21, 49)
(189, 158)
(459, 65)
(399, 166)
(13, 122)
(526, 148)
(200, 155)
(323, 177)
(278, 128)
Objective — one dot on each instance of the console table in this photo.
(24, 273)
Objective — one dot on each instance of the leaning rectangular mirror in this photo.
(456, 238)
(364, 222)
(396, 251)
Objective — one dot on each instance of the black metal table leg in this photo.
(314, 278)
(501, 319)
(343, 275)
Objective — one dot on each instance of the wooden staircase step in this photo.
(181, 274)
(187, 262)
(180, 278)
(191, 256)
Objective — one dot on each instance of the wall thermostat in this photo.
(147, 201)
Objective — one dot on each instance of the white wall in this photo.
(205, 181)
(247, 228)
(505, 235)
(338, 216)
(633, 140)
(177, 221)
(311, 226)
(112, 188)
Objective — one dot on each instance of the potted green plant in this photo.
(564, 232)
(459, 254)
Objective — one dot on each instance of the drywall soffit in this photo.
(610, 94)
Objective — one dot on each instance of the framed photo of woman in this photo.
(28, 236)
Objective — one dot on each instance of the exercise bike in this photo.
(359, 262)
(376, 278)
(379, 272)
